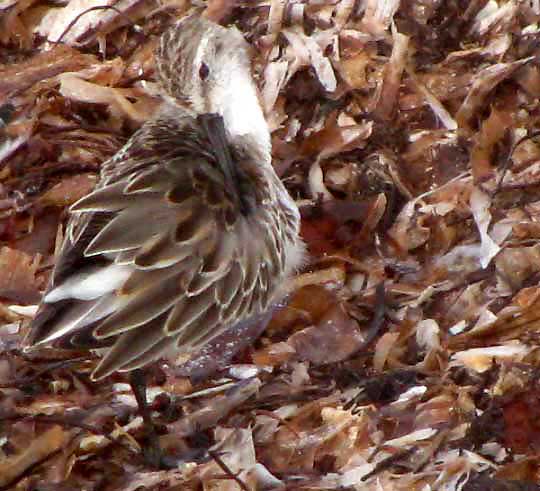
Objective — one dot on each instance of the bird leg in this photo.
(152, 451)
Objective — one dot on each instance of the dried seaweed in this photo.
(407, 133)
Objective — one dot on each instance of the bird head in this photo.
(200, 62)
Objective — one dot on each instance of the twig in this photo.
(39, 418)
(135, 26)
(225, 468)
(378, 317)
(31, 378)
(285, 424)
(509, 160)
(388, 462)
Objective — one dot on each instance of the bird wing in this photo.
(160, 255)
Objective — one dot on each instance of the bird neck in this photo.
(243, 117)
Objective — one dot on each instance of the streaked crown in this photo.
(195, 57)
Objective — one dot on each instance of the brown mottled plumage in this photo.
(189, 230)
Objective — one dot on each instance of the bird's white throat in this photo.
(238, 103)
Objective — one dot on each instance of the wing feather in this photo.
(197, 227)
(231, 309)
(185, 312)
(160, 253)
(112, 198)
(152, 180)
(142, 279)
(130, 347)
(228, 288)
(218, 257)
(199, 332)
(142, 307)
(146, 355)
(125, 232)
(194, 263)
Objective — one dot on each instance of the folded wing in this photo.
(159, 256)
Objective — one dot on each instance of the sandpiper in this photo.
(189, 230)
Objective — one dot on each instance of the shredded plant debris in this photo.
(405, 357)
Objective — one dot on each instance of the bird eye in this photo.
(204, 71)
